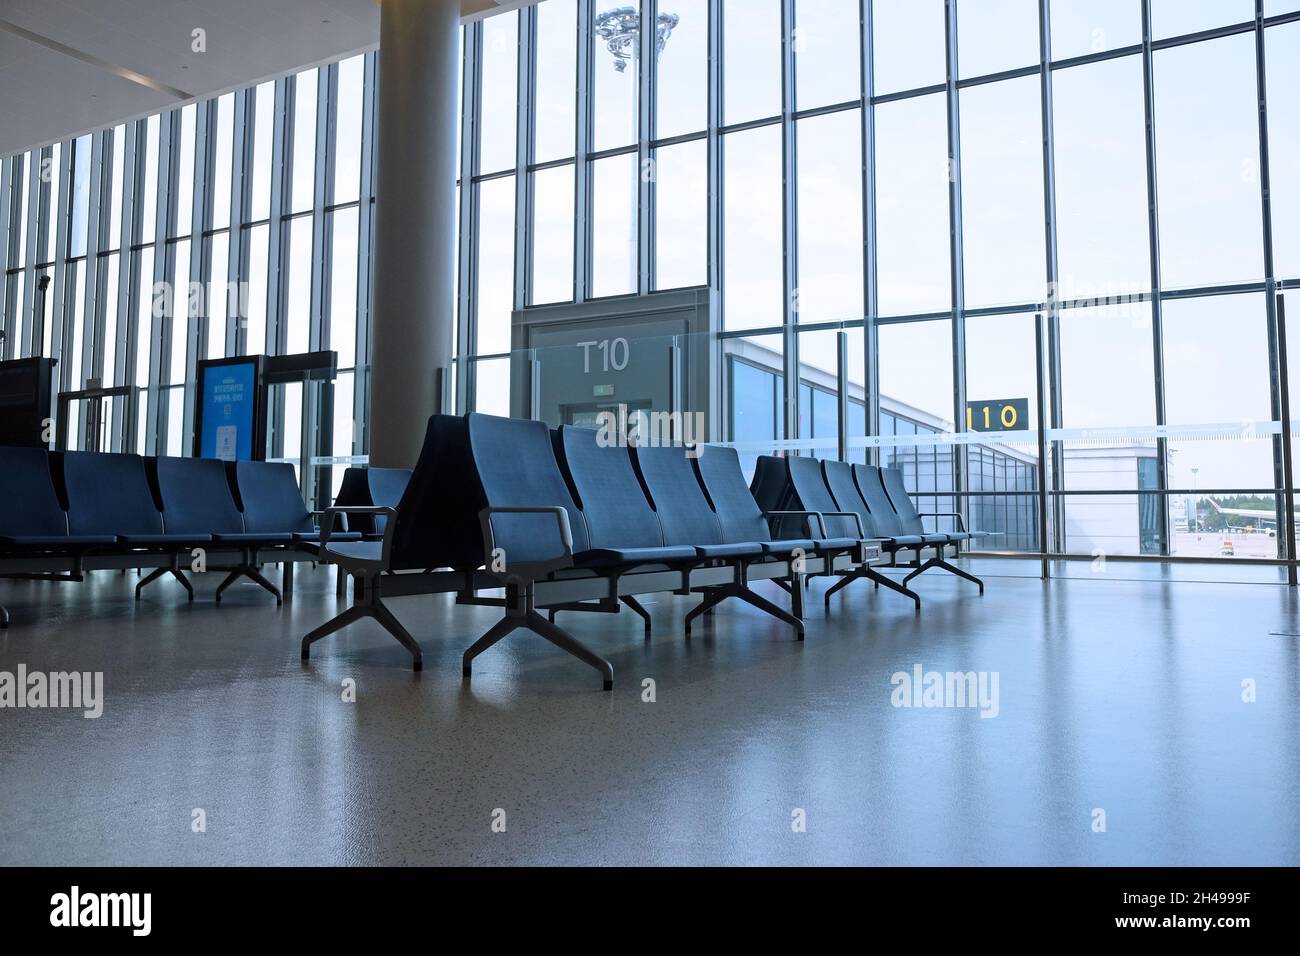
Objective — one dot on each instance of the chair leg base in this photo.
(877, 579)
(715, 596)
(254, 575)
(536, 622)
(378, 612)
(938, 562)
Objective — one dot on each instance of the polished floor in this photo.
(1118, 691)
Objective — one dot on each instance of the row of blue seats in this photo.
(549, 514)
(86, 506)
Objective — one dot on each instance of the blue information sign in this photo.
(229, 409)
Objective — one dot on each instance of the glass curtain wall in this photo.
(923, 177)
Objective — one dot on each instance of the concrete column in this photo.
(415, 222)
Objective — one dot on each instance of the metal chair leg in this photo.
(564, 642)
(154, 575)
(497, 632)
(704, 607)
(179, 575)
(763, 604)
(641, 612)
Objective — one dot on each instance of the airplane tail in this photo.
(1214, 504)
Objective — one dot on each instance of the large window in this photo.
(810, 193)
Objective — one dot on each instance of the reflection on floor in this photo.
(1118, 701)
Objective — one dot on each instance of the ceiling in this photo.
(69, 67)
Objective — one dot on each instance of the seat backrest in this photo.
(387, 485)
(437, 514)
(873, 494)
(902, 501)
(839, 479)
(810, 489)
(771, 489)
(515, 465)
(738, 513)
(196, 497)
(607, 490)
(29, 505)
(109, 494)
(669, 478)
(272, 500)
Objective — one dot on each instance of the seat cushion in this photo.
(314, 536)
(610, 557)
(786, 545)
(835, 544)
(742, 549)
(904, 541)
(58, 541)
(146, 539)
(356, 551)
(282, 538)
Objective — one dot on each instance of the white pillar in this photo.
(415, 222)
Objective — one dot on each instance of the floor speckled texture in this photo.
(1116, 692)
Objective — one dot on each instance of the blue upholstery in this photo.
(839, 479)
(911, 521)
(110, 495)
(196, 498)
(810, 489)
(621, 526)
(882, 510)
(516, 467)
(685, 515)
(29, 507)
(272, 501)
(723, 481)
(371, 487)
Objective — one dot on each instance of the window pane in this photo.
(347, 159)
(297, 312)
(1101, 180)
(912, 206)
(683, 70)
(500, 93)
(496, 264)
(681, 215)
(258, 251)
(614, 225)
(1000, 363)
(492, 387)
(828, 50)
(185, 172)
(916, 368)
(1207, 153)
(1093, 26)
(753, 386)
(753, 287)
(223, 159)
(751, 59)
(1002, 192)
(218, 298)
(1171, 18)
(557, 40)
(108, 345)
(115, 189)
(180, 310)
(1213, 378)
(144, 309)
(149, 201)
(263, 131)
(1283, 62)
(614, 62)
(908, 49)
(343, 288)
(304, 140)
(830, 221)
(553, 235)
(80, 199)
(1107, 372)
(996, 35)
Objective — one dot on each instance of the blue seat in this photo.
(196, 499)
(532, 523)
(109, 494)
(911, 523)
(371, 487)
(622, 528)
(30, 514)
(273, 505)
(867, 478)
(673, 483)
(843, 528)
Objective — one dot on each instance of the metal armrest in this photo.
(961, 522)
(529, 569)
(328, 525)
(803, 514)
